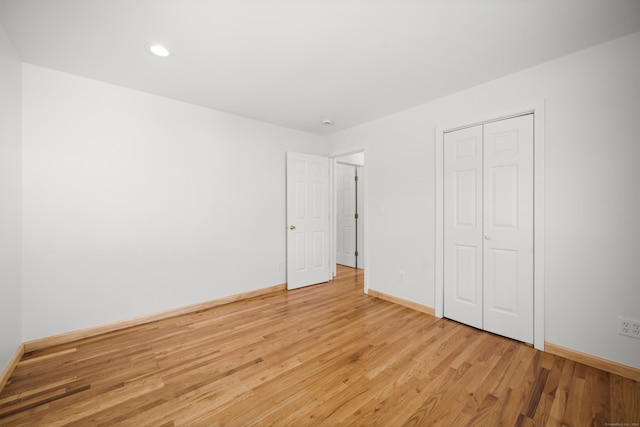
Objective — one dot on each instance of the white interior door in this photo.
(488, 227)
(463, 226)
(508, 228)
(308, 220)
(345, 215)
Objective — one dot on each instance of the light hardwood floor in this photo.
(322, 355)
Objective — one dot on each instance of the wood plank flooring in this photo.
(322, 355)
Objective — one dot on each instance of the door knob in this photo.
(292, 227)
(487, 237)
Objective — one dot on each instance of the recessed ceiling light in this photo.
(157, 50)
(327, 122)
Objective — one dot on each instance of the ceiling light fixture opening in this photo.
(327, 122)
(158, 50)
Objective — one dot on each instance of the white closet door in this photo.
(463, 226)
(488, 227)
(508, 228)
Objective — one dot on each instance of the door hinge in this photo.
(356, 253)
(355, 178)
(356, 216)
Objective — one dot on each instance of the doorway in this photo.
(349, 242)
(349, 210)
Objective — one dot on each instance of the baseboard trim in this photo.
(594, 361)
(6, 374)
(141, 320)
(402, 301)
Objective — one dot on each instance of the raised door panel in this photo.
(465, 275)
(300, 245)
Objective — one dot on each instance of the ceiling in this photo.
(295, 63)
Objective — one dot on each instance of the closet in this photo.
(488, 226)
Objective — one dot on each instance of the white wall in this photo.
(592, 156)
(135, 203)
(10, 201)
(356, 159)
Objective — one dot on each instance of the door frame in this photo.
(537, 109)
(363, 186)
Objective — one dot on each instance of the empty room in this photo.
(279, 212)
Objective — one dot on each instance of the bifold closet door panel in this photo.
(463, 236)
(508, 227)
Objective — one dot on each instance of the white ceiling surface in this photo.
(296, 62)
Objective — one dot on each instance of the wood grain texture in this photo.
(596, 362)
(402, 301)
(321, 355)
(8, 370)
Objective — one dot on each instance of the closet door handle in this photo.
(487, 237)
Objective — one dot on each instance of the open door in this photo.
(308, 220)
